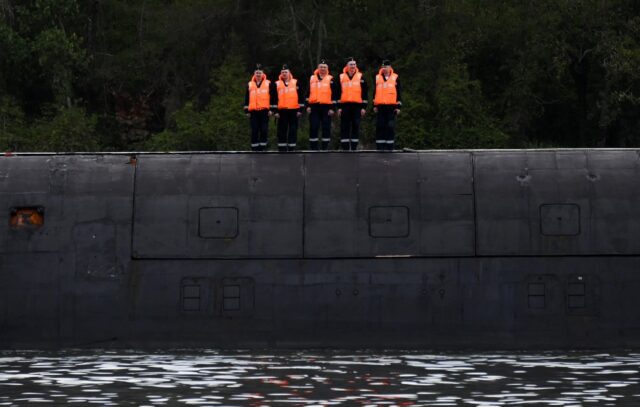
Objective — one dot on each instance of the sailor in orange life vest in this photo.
(289, 110)
(352, 104)
(386, 104)
(258, 104)
(321, 105)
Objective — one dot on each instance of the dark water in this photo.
(319, 378)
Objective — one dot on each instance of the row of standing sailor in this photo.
(326, 97)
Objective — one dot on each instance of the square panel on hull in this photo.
(560, 219)
(218, 206)
(218, 223)
(389, 221)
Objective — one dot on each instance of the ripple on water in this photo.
(317, 378)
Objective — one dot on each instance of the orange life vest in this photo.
(288, 95)
(320, 90)
(259, 98)
(351, 89)
(386, 92)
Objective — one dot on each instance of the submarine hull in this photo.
(512, 249)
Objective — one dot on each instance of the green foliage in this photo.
(12, 125)
(171, 75)
(461, 120)
(220, 126)
(65, 130)
(14, 51)
(60, 58)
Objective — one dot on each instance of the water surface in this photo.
(319, 378)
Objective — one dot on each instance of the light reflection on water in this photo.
(318, 378)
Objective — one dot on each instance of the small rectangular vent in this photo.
(191, 298)
(537, 295)
(196, 296)
(236, 297)
(576, 295)
(231, 298)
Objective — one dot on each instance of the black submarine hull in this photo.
(482, 249)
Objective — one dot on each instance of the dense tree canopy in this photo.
(170, 74)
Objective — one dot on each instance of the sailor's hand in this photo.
(331, 112)
(277, 115)
(308, 110)
(397, 111)
(363, 112)
(339, 112)
(270, 113)
(247, 114)
(375, 109)
(298, 114)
